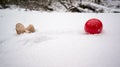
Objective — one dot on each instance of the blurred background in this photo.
(81, 6)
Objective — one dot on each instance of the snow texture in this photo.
(59, 40)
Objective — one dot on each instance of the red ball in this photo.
(93, 26)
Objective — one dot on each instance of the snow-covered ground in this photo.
(59, 40)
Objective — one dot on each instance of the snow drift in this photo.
(59, 40)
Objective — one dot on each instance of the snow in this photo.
(112, 3)
(59, 40)
(99, 8)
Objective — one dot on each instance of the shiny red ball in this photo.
(93, 26)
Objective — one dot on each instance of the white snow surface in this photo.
(59, 40)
